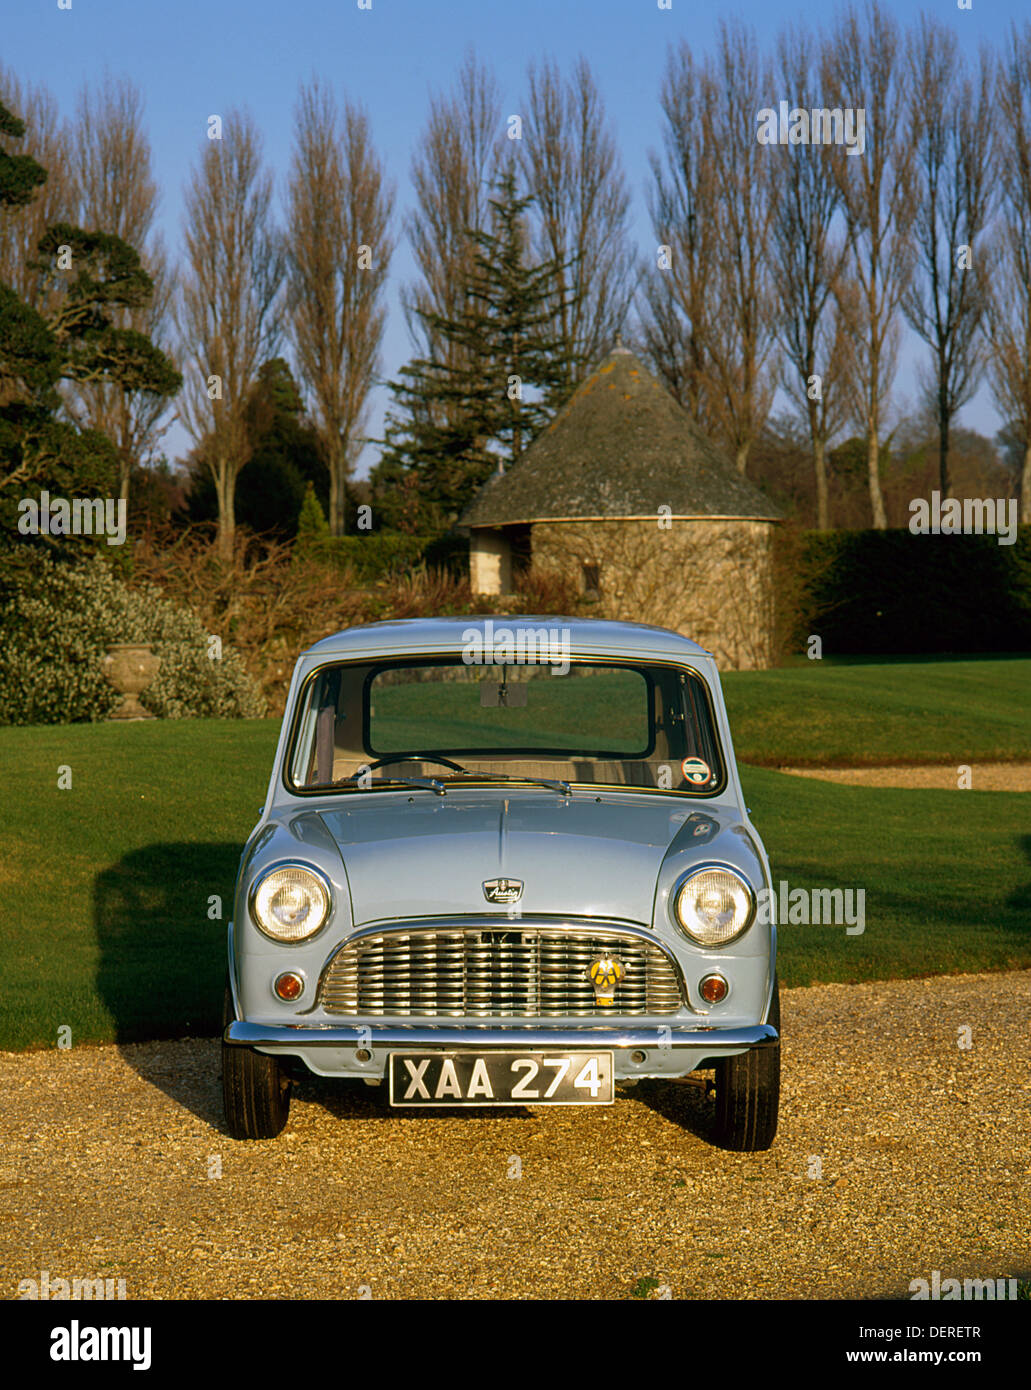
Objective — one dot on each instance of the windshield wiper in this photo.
(555, 783)
(427, 783)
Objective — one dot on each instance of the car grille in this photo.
(480, 972)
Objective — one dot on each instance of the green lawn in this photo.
(107, 927)
(906, 711)
(107, 884)
(599, 709)
(947, 875)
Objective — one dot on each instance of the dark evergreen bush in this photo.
(895, 592)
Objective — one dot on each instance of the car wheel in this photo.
(255, 1088)
(748, 1093)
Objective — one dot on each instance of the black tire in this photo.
(255, 1088)
(748, 1093)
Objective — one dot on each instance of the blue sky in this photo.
(194, 57)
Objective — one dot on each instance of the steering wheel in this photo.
(415, 758)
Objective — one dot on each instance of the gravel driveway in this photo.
(899, 1153)
(984, 777)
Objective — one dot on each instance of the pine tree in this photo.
(456, 424)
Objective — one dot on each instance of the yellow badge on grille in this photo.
(605, 974)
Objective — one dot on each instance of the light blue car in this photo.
(504, 862)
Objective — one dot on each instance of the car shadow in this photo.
(683, 1104)
(187, 1070)
(347, 1099)
(160, 915)
(1020, 898)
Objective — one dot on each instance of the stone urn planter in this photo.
(130, 668)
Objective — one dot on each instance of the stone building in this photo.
(623, 494)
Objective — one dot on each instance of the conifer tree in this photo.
(470, 412)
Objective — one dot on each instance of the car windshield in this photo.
(437, 722)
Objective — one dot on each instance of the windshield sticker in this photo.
(696, 770)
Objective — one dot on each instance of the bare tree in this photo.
(741, 336)
(454, 169)
(863, 65)
(713, 207)
(678, 289)
(228, 305)
(46, 139)
(1010, 305)
(573, 171)
(115, 191)
(808, 268)
(951, 119)
(338, 256)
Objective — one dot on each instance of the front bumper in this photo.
(361, 1050)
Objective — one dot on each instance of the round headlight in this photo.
(714, 906)
(290, 903)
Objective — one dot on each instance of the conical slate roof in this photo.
(620, 447)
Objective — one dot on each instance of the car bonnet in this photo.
(408, 853)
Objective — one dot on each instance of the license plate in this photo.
(501, 1078)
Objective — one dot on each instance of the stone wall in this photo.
(710, 580)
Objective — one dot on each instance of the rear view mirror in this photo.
(500, 693)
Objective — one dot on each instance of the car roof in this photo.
(593, 635)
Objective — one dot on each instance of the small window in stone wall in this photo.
(592, 581)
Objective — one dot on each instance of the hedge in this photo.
(894, 592)
(376, 555)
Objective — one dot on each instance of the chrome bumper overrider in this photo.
(242, 1034)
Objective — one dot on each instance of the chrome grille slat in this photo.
(537, 972)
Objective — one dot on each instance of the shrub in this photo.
(312, 526)
(268, 605)
(60, 618)
(373, 556)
